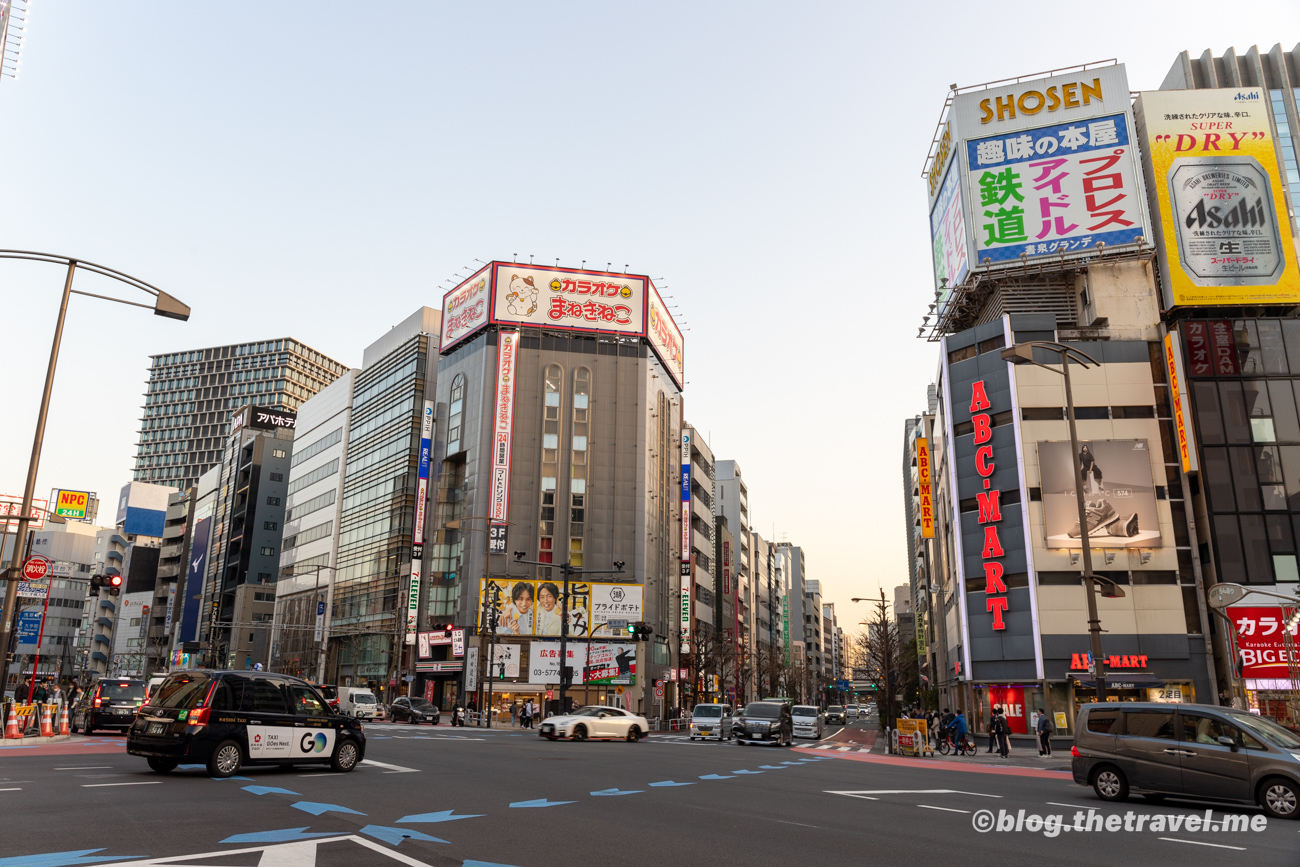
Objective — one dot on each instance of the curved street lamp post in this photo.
(164, 305)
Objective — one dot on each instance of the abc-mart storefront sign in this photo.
(987, 513)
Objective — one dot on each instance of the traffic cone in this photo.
(63, 721)
(11, 727)
(47, 725)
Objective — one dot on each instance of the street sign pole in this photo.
(35, 568)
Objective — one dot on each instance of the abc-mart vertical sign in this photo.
(567, 299)
(1036, 168)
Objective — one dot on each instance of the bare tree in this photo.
(888, 662)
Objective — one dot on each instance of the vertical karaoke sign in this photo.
(421, 513)
(687, 577)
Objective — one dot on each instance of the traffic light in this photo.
(114, 583)
(111, 583)
(447, 628)
(640, 630)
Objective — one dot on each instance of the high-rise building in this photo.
(562, 398)
(190, 397)
(246, 534)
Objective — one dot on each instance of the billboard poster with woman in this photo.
(1118, 494)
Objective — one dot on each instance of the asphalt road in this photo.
(474, 798)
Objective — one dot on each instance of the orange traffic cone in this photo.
(63, 721)
(11, 727)
(47, 724)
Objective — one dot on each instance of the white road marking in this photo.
(1073, 806)
(392, 769)
(911, 792)
(1200, 843)
(15, 789)
(103, 785)
(87, 768)
(945, 809)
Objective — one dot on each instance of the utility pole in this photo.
(490, 620)
(568, 571)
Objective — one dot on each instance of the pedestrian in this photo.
(56, 697)
(1002, 730)
(41, 693)
(945, 722)
(514, 711)
(1045, 732)
(526, 717)
(993, 736)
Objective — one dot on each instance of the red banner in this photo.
(1012, 701)
(1260, 645)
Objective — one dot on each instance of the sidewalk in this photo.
(1023, 754)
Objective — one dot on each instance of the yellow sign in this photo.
(1182, 409)
(71, 504)
(913, 738)
(1060, 721)
(1223, 230)
(924, 479)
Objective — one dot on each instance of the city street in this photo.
(505, 797)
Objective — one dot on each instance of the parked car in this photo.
(765, 722)
(358, 702)
(110, 704)
(712, 721)
(807, 721)
(836, 714)
(414, 709)
(227, 719)
(1187, 750)
(595, 722)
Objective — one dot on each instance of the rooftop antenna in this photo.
(530, 258)
(516, 258)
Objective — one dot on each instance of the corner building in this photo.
(559, 403)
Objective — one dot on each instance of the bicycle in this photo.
(966, 747)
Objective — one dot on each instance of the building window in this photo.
(268, 552)
(263, 578)
(455, 414)
(270, 525)
(279, 453)
(273, 501)
(277, 477)
(578, 464)
(552, 388)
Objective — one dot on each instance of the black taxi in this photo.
(226, 719)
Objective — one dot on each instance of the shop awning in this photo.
(1137, 680)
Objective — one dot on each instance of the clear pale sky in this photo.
(319, 169)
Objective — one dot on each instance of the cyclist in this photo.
(959, 729)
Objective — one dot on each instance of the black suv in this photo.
(110, 704)
(225, 719)
(765, 722)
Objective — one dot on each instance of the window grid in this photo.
(578, 466)
(552, 388)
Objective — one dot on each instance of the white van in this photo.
(357, 701)
(712, 721)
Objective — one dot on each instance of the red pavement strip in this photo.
(78, 746)
(954, 765)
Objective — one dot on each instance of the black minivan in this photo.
(110, 704)
(226, 719)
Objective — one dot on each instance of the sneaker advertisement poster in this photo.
(1118, 493)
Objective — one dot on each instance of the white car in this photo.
(595, 721)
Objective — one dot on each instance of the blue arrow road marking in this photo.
(772, 767)
(316, 809)
(267, 790)
(397, 835)
(716, 777)
(541, 802)
(747, 772)
(61, 859)
(284, 835)
(671, 783)
(444, 816)
(617, 791)
(190, 767)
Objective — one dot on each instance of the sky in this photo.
(320, 170)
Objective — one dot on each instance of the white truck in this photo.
(359, 702)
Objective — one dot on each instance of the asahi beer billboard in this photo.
(1211, 165)
(1118, 493)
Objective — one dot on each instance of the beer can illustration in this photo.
(1225, 221)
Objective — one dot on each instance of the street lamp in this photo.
(567, 571)
(164, 305)
(1023, 353)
